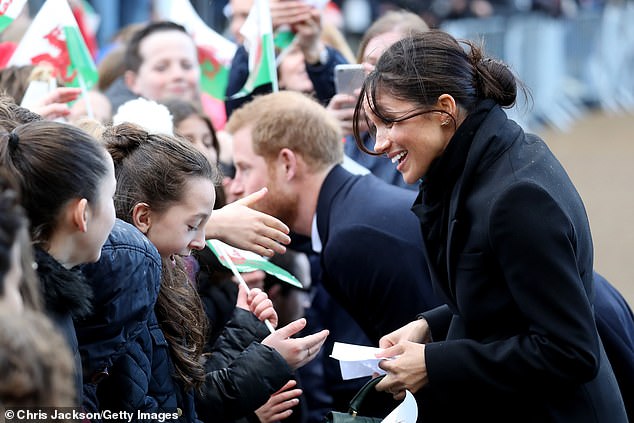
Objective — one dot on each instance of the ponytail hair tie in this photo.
(14, 140)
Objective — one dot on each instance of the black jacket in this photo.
(372, 259)
(241, 373)
(615, 323)
(124, 353)
(509, 245)
(67, 296)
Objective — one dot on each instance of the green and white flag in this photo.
(53, 38)
(246, 261)
(258, 41)
(9, 10)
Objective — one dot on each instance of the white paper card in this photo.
(356, 360)
(406, 412)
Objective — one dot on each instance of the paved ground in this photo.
(598, 153)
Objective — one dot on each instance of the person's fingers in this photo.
(280, 406)
(242, 300)
(287, 395)
(386, 342)
(274, 236)
(315, 341)
(52, 111)
(390, 351)
(399, 396)
(343, 115)
(253, 198)
(254, 293)
(262, 306)
(385, 385)
(292, 328)
(66, 94)
(288, 385)
(266, 252)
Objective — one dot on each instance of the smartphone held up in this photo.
(349, 78)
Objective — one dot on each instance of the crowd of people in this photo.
(417, 216)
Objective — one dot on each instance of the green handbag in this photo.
(352, 416)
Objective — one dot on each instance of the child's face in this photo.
(101, 216)
(11, 299)
(196, 130)
(169, 68)
(181, 228)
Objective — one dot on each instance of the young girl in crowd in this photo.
(217, 289)
(507, 241)
(67, 183)
(36, 367)
(166, 190)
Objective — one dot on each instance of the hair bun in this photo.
(494, 79)
(122, 140)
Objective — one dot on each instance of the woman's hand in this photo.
(416, 331)
(53, 105)
(405, 369)
(341, 107)
(239, 225)
(280, 404)
(289, 12)
(296, 351)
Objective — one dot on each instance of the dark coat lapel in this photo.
(485, 148)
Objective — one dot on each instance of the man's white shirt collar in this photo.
(314, 236)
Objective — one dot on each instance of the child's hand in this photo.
(262, 306)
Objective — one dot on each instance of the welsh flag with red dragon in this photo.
(54, 38)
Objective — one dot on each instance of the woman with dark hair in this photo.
(67, 182)
(507, 240)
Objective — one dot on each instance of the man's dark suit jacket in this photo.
(372, 258)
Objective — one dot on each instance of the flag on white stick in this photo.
(258, 41)
(246, 261)
(54, 38)
(9, 10)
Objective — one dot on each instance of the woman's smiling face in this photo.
(412, 142)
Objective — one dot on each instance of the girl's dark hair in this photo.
(12, 220)
(154, 169)
(423, 66)
(52, 163)
(181, 110)
(132, 57)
